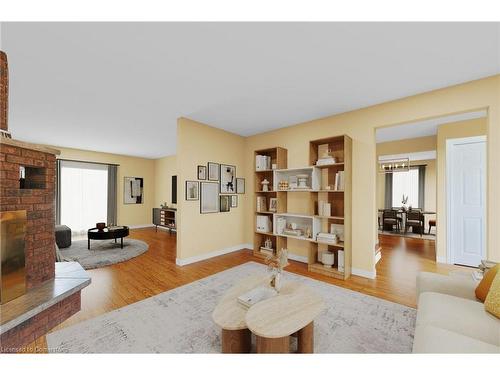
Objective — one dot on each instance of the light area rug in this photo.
(103, 253)
(179, 321)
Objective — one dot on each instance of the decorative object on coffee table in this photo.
(275, 264)
(109, 233)
(100, 226)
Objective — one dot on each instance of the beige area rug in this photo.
(179, 321)
(103, 253)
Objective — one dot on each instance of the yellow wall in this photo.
(462, 129)
(360, 125)
(200, 234)
(403, 146)
(164, 168)
(407, 145)
(127, 214)
(430, 186)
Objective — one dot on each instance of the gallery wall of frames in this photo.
(216, 188)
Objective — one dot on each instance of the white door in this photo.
(466, 187)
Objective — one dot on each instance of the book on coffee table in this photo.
(256, 295)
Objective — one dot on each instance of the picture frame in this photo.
(273, 204)
(213, 171)
(227, 179)
(133, 190)
(209, 197)
(202, 172)
(240, 185)
(192, 190)
(234, 201)
(225, 203)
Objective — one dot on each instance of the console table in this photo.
(165, 217)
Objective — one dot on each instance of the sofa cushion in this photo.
(454, 285)
(492, 303)
(485, 284)
(458, 315)
(430, 339)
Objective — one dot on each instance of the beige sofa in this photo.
(450, 319)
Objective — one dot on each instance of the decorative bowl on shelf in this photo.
(328, 259)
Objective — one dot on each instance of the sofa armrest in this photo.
(454, 285)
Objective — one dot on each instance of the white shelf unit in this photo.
(313, 173)
(302, 222)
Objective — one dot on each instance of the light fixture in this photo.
(394, 165)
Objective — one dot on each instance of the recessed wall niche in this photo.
(32, 177)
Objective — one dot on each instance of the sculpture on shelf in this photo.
(265, 185)
(275, 265)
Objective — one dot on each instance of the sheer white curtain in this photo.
(84, 195)
(405, 183)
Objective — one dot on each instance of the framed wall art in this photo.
(240, 186)
(202, 172)
(213, 171)
(209, 197)
(192, 190)
(227, 179)
(133, 190)
(234, 201)
(225, 203)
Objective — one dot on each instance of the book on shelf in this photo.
(263, 223)
(262, 162)
(261, 204)
(266, 251)
(339, 180)
(324, 208)
(328, 238)
(340, 260)
(326, 161)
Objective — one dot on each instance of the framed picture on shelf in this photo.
(213, 171)
(225, 203)
(227, 179)
(240, 186)
(192, 190)
(234, 201)
(209, 197)
(202, 172)
(133, 190)
(273, 204)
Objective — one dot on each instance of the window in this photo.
(83, 195)
(405, 183)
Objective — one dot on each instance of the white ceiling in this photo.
(422, 128)
(119, 87)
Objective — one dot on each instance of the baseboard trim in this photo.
(364, 273)
(212, 254)
(139, 226)
(298, 258)
(378, 256)
(441, 260)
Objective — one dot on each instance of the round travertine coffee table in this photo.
(273, 321)
(230, 316)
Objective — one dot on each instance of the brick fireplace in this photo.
(27, 183)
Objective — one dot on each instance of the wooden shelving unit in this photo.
(279, 157)
(322, 188)
(340, 200)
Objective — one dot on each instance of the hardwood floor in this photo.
(155, 272)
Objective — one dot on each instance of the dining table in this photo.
(402, 213)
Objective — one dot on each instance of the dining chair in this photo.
(415, 218)
(390, 217)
